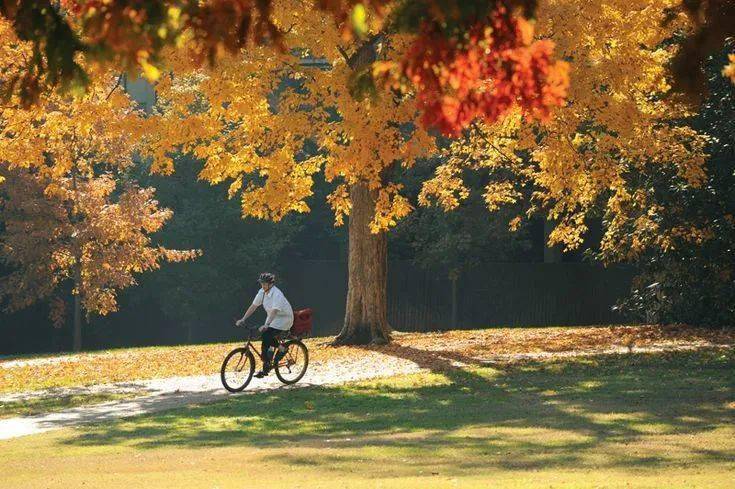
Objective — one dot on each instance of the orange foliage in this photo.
(483, 73)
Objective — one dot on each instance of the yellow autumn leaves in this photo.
(616, 123)
(267, 122)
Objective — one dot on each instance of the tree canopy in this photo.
(467, 59)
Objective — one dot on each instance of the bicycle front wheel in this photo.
(237, 369)
(292, 367)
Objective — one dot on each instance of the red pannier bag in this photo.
(301, 322)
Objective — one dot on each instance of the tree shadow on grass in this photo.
(568, 414)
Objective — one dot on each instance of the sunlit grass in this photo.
(658, 420)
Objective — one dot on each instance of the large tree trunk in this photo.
(366, 315)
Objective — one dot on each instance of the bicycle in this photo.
(239, 365)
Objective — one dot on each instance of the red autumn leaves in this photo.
(482, 75)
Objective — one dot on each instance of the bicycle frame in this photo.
(290, 357)
(249, 342)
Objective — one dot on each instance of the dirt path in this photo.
(173, 392)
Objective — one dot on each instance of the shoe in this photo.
(262, 373)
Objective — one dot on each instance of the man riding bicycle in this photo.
(279, 318)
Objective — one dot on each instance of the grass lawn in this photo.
(655, 420)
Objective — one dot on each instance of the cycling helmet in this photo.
(266, 278)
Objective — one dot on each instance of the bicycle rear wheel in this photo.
(237, 369)
(292, 367)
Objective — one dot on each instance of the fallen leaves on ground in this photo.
(430, 350)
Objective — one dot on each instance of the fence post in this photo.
(453, 277)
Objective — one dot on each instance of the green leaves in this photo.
(358, 18)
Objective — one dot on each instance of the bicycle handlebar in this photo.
(253, 330)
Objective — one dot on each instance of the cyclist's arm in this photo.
(249, 312)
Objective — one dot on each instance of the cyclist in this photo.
(279, 317)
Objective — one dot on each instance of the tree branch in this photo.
(119, 80)
(343, 53)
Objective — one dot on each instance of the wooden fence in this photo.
(494, 294)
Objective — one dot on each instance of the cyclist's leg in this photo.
(283, 336)
(268, 340)
(281, 350)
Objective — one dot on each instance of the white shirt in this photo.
(274, 299)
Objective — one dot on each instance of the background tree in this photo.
(456, 242)
(211, 290)
(69, 212)
(74, 229)
(688, 271)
